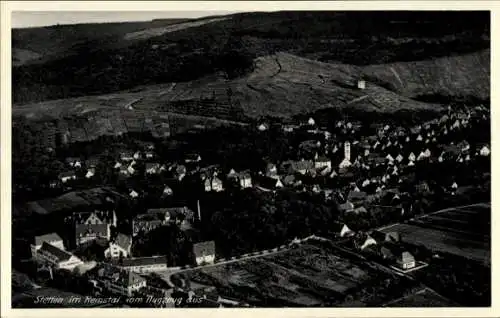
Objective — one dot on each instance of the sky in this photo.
(26, 19)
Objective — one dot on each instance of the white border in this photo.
(5, 126)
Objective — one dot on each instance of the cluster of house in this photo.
(120, 270)
(388, 246)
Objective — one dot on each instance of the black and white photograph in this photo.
(250, 159)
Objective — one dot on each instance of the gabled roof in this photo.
(51, 237)
(143, 261)
(67, 174)
(356, 195)
(61, 255)
(302, 165)
(98, 229)
(152, 165)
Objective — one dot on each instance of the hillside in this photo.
(284, 84)
(40, 45)
(464, 75)
(100, 59)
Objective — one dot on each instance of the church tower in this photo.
(347, 150)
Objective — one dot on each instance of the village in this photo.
(371, 177)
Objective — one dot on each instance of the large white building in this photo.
(55, 257)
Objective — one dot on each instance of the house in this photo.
(74, 162)
(130, 168)
(265, 183)
(92, 162)
(180, 172)
(66, 176)
(333, 174)
(152, 168)
(244, 179)
(324, 171)
(147, 222)
(56, 257)
(365, 183)
(126, 156)
(262, 127)
(368, 241)
(271, 171)
(95, 217)
(137, 155)
(168, 190)
(322, 162)
(204, 252)
(289, 128)
(421, 156)
(405, 260)
(51, 238)
(422, 187)
(343, 230)
(302, 166)
(192, 158)
(395, 253)
(175, 214)
(119, 281)
(361, 84)
(142, 265)
(311, 121)
(119, 247)
(232, 174)
(213, 184)
(90, 173)
(485, 151)
(91, 226)
(133, 194)
(316, 188)
(85, 233)
(389, 158)
(345, 164)
(126, 170)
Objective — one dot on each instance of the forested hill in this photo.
(70, 61)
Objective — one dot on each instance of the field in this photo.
(461, 231)
(306, 276)
(422, 298)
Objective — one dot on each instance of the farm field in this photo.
(308, 275)
(422, 298)
(463, 231)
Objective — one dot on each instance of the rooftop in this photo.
(60, 254)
